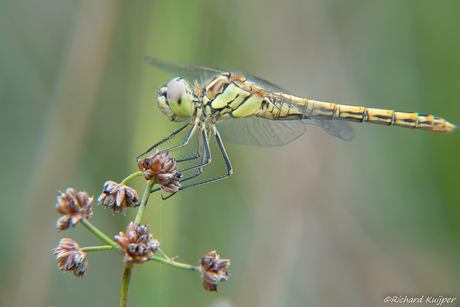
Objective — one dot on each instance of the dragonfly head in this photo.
(175, 100)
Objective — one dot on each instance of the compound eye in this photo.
(172, 81)
(178, 98)
(176, 89)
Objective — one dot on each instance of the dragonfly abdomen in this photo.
(325, 110)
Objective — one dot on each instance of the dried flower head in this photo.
(138, 244)
(70, 258)
(118, 197)
(73, 206)
(161, 167)
(213, 270)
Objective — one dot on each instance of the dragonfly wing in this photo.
(337, 128)
(202, 73)
(260, 131)
(264, 132)
(188, 72)
(268, 86)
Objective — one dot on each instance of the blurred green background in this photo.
(318, 222)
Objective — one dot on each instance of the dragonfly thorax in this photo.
(175, 100)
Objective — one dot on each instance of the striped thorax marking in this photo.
(228, 96)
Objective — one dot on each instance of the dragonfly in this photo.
(251, 111)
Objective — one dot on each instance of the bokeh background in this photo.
(318, 222)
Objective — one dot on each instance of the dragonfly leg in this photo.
(206, 158)
(198, 153)
(226, 159)
(206, 154)
(186, 140)
(197, 173)
(163, 140)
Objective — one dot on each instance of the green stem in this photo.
(98, 233)
(137, 220)
(125, 284)
(145, 199)
(164, 255)
(132, 176)
(175, 264)
(96, 248)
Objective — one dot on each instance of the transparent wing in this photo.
(260, 131)
(337, 128)
(268, 86)
(188, 72)
(202, 73)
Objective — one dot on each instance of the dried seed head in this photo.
(163, 169)
(73, 206)
(70, 258)
(213, 270)
(118, 197)
(138, 244)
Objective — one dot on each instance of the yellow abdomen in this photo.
(325, 110)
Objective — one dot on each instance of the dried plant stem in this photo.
(98, 233)
(145, 199)
(132, 176)
(96, 248)
(125, 284)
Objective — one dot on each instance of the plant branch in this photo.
(96, 248)
(145, 199)
(175, 264)
(125, 284)
(99, 233)
(132, 176)
(164, 255)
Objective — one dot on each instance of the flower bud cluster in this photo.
(213, 270)
(70, 258)
(137, 244)
(73, 206)
(118, 197)
(162, 168)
